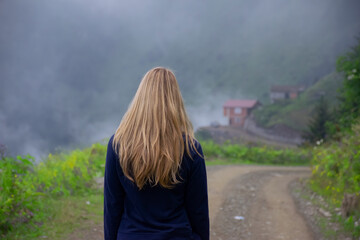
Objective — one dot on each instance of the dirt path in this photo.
(247, 202)
(259, 198)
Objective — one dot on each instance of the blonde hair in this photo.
(155, 132)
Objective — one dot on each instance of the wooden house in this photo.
(238, 110)
(285, 92)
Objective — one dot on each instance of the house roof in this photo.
(240, 103)
(284, 88)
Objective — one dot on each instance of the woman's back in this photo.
(155, 176)
(155, 212)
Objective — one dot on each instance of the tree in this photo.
(349, 65)
(318, 124)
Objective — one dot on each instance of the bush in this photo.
(349, 65)
(336, 166)
(18, 200)
(24, 185)
(262, 155)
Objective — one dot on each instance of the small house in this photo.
(238, 110)
(285, 92)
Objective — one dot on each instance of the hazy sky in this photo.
(69, 68)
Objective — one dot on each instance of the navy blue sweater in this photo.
(156, 213)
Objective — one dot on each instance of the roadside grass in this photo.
(327, 232)
(234, 161)
(62, 217)
(336, 172)
(334, 227)
(349, 226)
(50, 198)
(228, 153)
(74, 212)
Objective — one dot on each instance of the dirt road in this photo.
(254, 202)
(247, 202)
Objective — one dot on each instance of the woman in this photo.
(155, 176)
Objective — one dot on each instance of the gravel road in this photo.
(254, 202)
(246, 202)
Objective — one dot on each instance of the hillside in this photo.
(296, 113)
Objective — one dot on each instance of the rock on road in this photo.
(247, 202)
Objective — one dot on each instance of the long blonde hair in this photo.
(155, 132)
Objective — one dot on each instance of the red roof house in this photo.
(238, 110)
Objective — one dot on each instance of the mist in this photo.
(69, 69)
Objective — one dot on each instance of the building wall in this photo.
(235, 118)
(282, 95)
(293, 95)
(277, 95)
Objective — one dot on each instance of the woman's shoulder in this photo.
(110, 146)
(195, 156)
(111, 139)
(196, 148)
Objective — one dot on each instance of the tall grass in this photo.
(26, 187)
(235, 153)
(336, 171)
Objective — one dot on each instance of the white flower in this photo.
(318, 142)
(350, 77)
(87, 202)
(354, 70)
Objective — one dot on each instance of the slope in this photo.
(296, 113)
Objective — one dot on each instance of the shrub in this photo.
(262, 155)
(336, 166)
(23, 184)
(18, 200)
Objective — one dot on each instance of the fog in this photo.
(69, 69)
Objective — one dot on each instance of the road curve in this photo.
(254, 202)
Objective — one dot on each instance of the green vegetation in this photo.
(32, 197)
(296, 113)
(317, 125)
(336, 171)
(349, 110)
(336, 164)
(235, 154)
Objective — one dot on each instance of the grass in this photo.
(346, 225)
(228, 153)
(62, 217)
(219, 161)
(50, 198)
(234, 161)
(323, 224)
